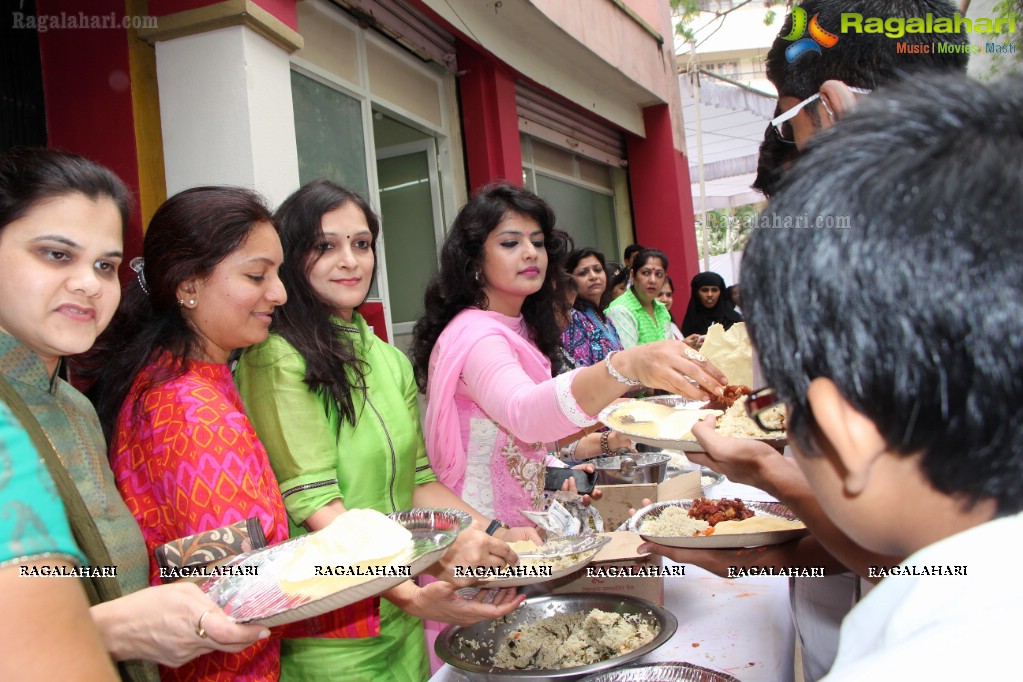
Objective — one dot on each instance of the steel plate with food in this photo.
(661, 672)
(554, 559)
(667, 421)
(559, 637)
(361, 554)
(716, 524)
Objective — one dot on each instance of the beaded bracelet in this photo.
(618, 376)
(605, 445)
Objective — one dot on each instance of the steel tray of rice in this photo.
(541, 640)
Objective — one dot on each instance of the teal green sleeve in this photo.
(32, 522)
(292, 425)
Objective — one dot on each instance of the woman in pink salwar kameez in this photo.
(484, 349)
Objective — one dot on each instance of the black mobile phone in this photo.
(556, 478)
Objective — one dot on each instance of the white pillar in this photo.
(226, 112)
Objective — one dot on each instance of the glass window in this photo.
(329, 133)
(587, 215)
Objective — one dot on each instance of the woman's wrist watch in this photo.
(495, 526)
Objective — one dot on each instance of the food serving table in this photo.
(740, 626)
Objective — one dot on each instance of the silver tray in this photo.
(259, 598)
(452, 648)
(688, 445)
(723, 541)
(661, 672)
(585, 547)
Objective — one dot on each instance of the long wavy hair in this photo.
(572, 262)
(458, 284)
(189, 235)
(333, 368)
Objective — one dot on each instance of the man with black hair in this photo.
(897, 348)
(821, 87)
(630, 252)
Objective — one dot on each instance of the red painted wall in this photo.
(490, 121)
(285, 10)
(662, 203)
(87, 87)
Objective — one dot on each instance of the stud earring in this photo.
(191, 302)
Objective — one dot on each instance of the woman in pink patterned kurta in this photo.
(484, 349)
(191, 462)
(185, 457)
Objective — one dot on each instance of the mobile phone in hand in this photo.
(556, 478)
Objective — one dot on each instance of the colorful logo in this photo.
(817, 39)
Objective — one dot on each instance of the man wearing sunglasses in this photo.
(900, 374)
(816, 90)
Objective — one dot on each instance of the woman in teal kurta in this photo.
(336, 408)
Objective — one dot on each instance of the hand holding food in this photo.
(170, 625)
(473, 547)
(440, 601)
(671, 366)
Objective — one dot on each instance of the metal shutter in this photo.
(543, 117)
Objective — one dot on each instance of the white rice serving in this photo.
(570, 640)
(737, 424)
(673, 522)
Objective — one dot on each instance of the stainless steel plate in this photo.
(582, 547)
(473, 648)
(723, 541)
(259, 599)
(680, 403)
(661, 672)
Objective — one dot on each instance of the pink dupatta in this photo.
(443, 437)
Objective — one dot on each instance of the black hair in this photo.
(914, 310)
(631, 249)
(645, 255)
(32, 175)
(773, 158)
(864, 60)
(188, 236)
(458, 284)
(572, 262)
(617, 279)
(333, 368)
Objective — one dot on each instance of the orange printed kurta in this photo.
(191, 462)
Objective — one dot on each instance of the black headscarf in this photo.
(698, 318)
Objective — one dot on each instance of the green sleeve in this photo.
(292, 425)
(424, 473)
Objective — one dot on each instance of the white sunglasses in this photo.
(777, 121)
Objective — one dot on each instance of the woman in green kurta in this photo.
(637, 314)
(337, 411)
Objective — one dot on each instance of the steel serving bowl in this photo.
(662, 672)
(651, 467)
(472, 649)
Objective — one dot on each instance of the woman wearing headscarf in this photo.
(709, 303)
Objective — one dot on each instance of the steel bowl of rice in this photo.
(563, 636)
